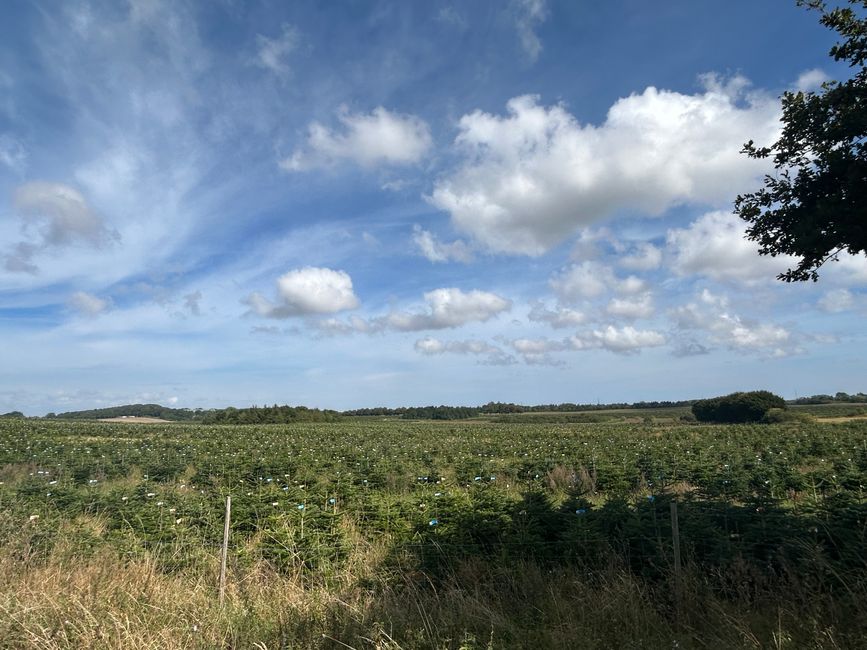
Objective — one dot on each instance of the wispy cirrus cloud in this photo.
(62, 215)
(88, 304)
(438, 251)
(12, 153)
(272, 53)
(54, 216)
(529, 14)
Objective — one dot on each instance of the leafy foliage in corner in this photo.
(737, 407)
(813, 206)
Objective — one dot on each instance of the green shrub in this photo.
(737, 407)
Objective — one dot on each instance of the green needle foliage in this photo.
(441, 535)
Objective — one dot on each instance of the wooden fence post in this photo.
(675, 539)
(225, 551)
(675, 536)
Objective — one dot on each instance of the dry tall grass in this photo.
(107, 601)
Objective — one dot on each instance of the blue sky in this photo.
(351, 204)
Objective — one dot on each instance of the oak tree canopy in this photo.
(814, 206)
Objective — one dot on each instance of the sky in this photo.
(362, 203)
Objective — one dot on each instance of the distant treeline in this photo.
(417, 412)
(230, 415)
(858, 398)
(281, 414)
(268, 415)
(134, 410)
(499, 408)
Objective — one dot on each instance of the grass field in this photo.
(394, 534)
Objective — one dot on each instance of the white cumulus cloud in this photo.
(631, 308)
(591, 279)
(837, 300)
(584, 280)
(307, 291)
(714, 246)
(848, 269)
(643, 257)
(557, 317)
(811, 80)
(490, 354)
(712, 315)
(621, 340)
(367, 139)
(448, 308)
(539, 352)
(445, 308)
(533, 177)
(744, 335)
